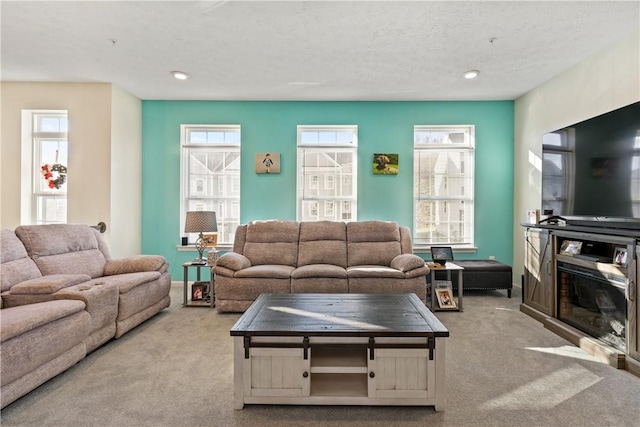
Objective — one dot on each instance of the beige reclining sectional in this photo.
(63, 296)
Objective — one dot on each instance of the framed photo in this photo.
(197, 292)
(620, 256)
(266, 162)
(570, 247)
(445, 298)
(210, 240)
(385, 164)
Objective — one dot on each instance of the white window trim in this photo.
(420, 243)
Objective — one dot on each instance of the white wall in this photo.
(91, 107)
(604, 82)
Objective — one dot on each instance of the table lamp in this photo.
(200, 222)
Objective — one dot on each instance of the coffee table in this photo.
(339, 349)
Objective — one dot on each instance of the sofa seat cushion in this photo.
(319, 270)
(19, 320)
(374, 271)
(266, 271)
(48, 284)
(129, 281)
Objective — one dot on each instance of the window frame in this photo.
(227, 222)
(467, 176)
(313, 180)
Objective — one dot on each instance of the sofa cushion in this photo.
(319, 270)
(15, 264)
(374, 271)
(372, 243)
(323, 242)
(272, 271)
(63, 248)
(272, 242)
(19, 320)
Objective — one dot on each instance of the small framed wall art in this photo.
(267, 162)
(385, 164)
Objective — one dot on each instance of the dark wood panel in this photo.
(339, 315)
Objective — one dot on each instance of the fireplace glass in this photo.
(593, 302)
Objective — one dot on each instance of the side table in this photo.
(207, 301)
(448, 267)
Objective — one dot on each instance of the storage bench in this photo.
(481, 274)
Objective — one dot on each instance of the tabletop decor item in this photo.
(200, 222)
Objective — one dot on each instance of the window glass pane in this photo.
(443, 185)
(211, 177)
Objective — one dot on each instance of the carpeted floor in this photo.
(503, 369)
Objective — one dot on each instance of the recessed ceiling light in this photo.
(471, 74)
(180, 75)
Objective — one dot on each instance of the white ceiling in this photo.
(308, 50)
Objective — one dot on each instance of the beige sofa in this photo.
(63, 296)
(317, 257)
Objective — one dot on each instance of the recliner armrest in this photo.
(407, 262)
(233, 261)
(49, 284)
(136, 264)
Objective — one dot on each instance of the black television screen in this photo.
(591, 170)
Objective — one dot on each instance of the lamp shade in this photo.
(200, 222)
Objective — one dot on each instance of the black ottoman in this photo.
(482, 274)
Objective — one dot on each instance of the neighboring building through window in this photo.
(45, 189)
(211, 175)
(443, 185)
(326, 168)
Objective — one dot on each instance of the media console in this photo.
(582, 283)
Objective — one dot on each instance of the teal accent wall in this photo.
(270, 126)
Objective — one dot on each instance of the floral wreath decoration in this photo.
(57, 181)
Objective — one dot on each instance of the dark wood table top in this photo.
(346, 315)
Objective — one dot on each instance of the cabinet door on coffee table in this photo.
(277, 372)
(401, 373)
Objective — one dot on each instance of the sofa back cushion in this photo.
(372, 242)
(63, 248)
(272, 242)
(323, 242)
(15, 264)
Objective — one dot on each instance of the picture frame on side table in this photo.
(620, 256)
(197, 292)
(445, 298)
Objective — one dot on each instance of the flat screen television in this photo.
(591, 170)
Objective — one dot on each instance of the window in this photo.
(558, 159)
(47, 145)
(326, 170)
(443, 183)
(211, 175)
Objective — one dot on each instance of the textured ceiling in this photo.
(308, 50)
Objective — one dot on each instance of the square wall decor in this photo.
(385, 164)
(267, 162)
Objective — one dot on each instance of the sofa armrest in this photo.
(49, 284)
(233, 261)
(136, 264)
(408, 262)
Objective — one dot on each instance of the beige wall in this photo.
(608, 80)
(94, 116)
